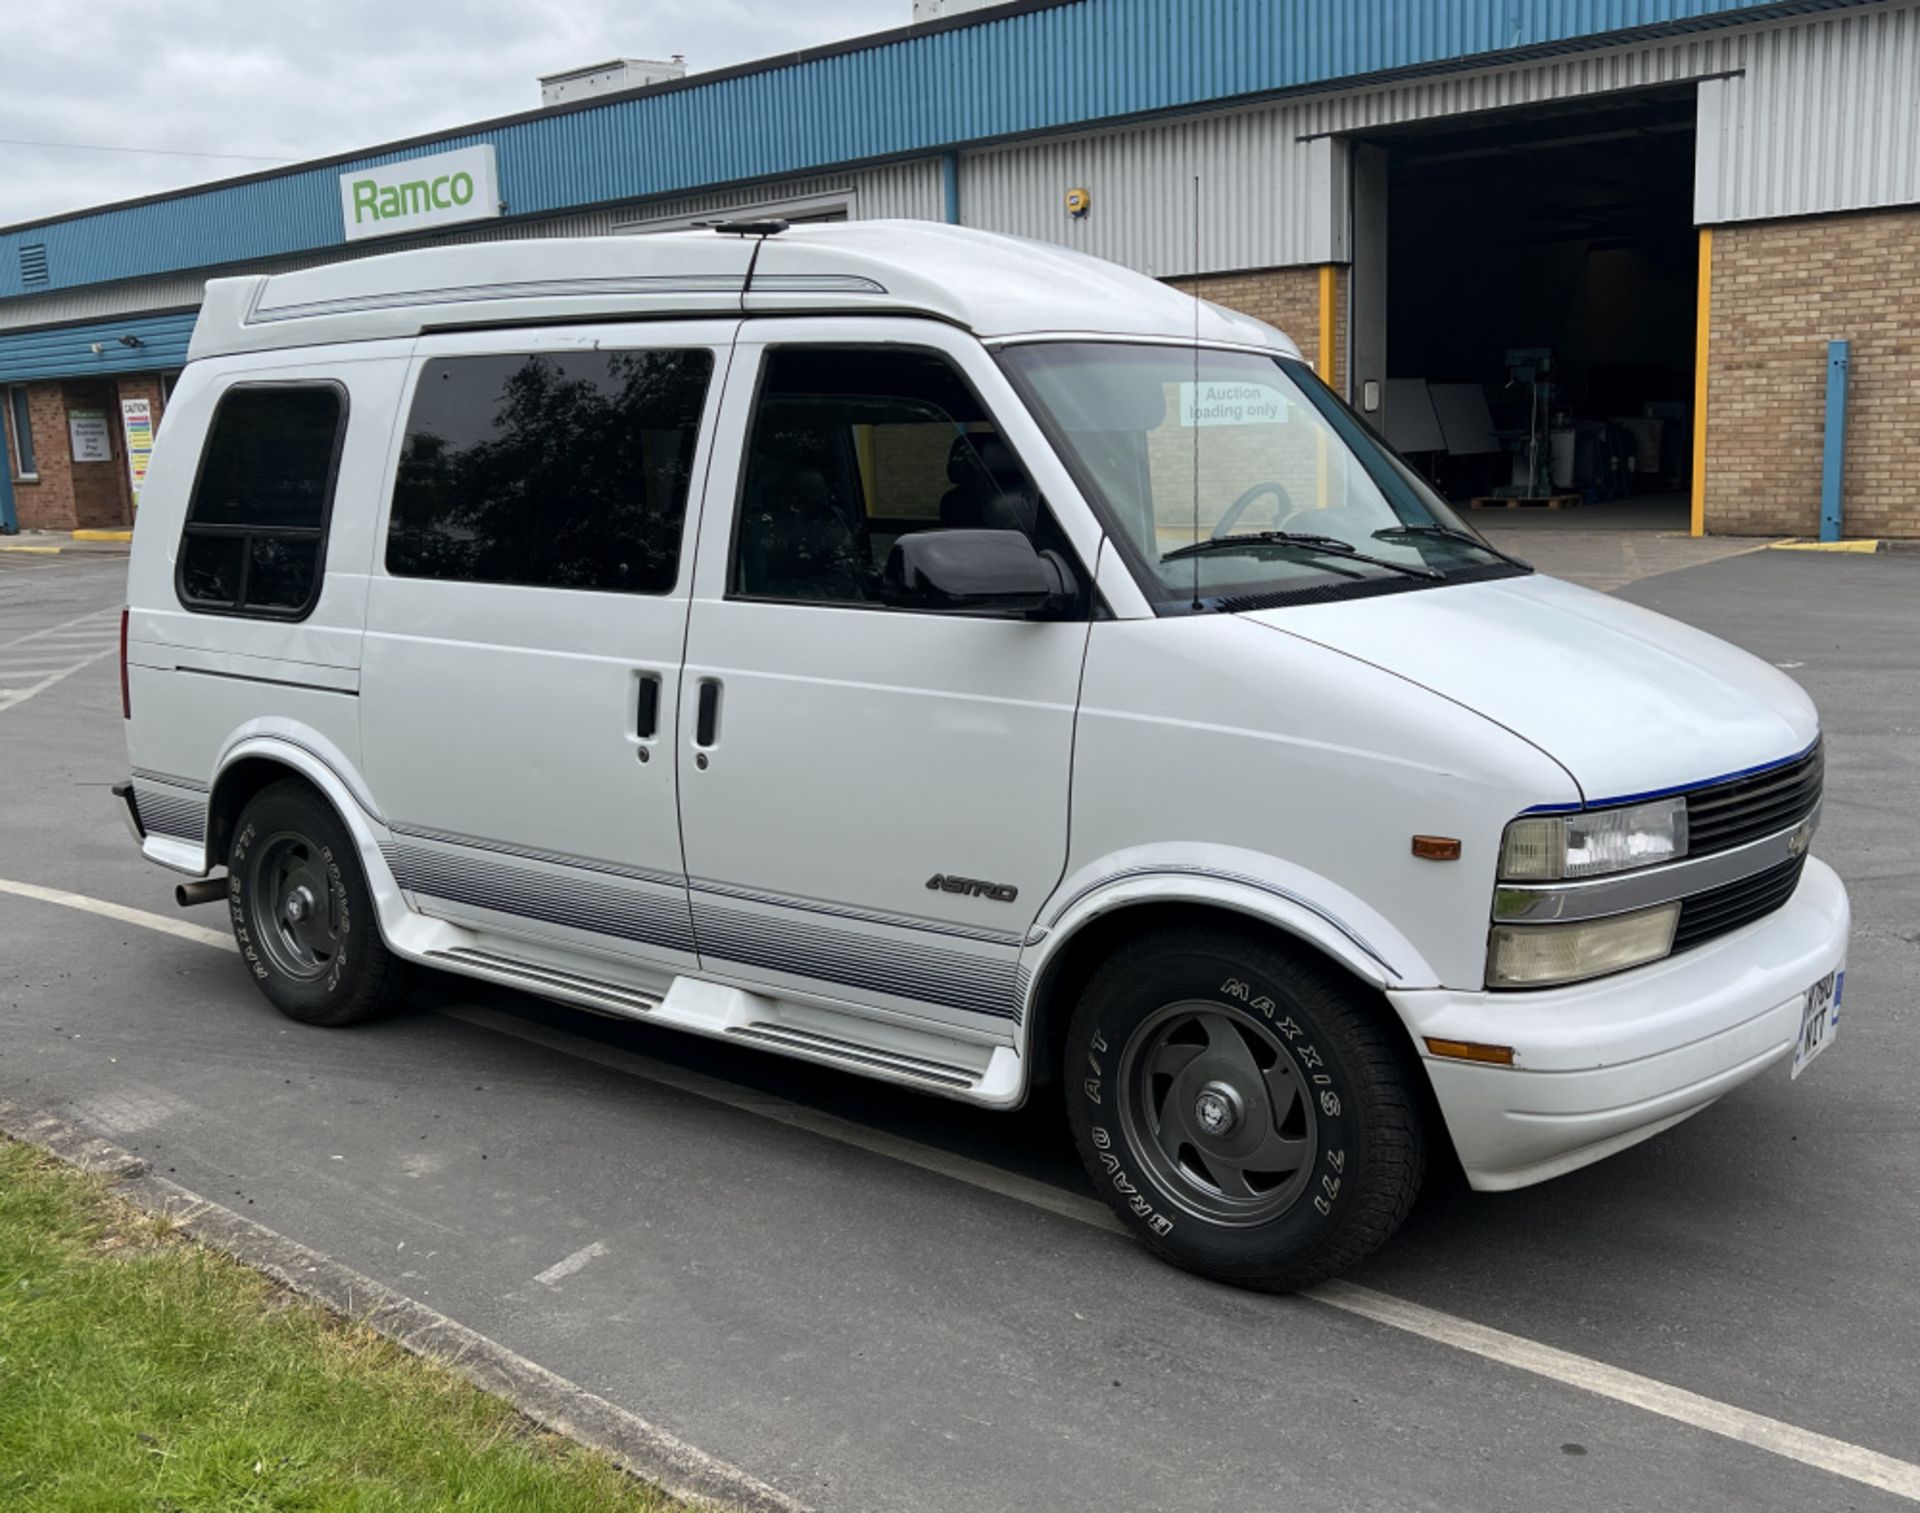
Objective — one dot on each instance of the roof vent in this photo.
(609, 78)
(33, 265)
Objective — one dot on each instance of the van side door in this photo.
(525, 625)
(873, 798)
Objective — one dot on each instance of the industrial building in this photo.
(1663, 254)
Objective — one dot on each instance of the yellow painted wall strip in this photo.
(1324, 366)
(1702, 322)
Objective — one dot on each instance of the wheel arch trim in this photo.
(308, 755)
(1297, 903)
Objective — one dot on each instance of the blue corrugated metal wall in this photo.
(67, 351)
(1032, 71)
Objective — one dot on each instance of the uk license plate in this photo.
(1819, 1019)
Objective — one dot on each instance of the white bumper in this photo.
(1602, 1065)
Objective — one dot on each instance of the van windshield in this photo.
(1235, 480)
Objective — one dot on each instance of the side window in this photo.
(257, 523)
(550, 470)
(21, 417)
(853, 448)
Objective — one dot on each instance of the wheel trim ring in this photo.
(293, 948)
(1136, 1116)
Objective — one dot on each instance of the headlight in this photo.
(1536, 955)
(1547, 847)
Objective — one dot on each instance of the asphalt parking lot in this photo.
(877, 1301)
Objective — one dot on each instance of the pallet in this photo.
(1530, 502)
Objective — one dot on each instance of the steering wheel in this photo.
(1239, 506)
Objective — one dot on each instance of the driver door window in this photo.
(850, 450)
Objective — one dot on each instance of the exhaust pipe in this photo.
(206, 891)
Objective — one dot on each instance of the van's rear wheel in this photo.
(302, 914)
(1242, 1110)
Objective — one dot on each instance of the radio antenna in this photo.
(1195, 414)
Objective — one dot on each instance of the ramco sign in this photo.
(420, 193)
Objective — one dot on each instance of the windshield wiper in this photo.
(1440, 532)
(1300, 541)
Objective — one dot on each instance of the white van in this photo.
(959, 661)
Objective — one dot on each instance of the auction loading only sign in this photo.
(421, 193)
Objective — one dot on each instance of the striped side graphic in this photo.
(578, 903)
(976, 984)
(171, 811)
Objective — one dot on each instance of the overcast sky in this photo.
(294, 81)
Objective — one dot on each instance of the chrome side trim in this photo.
(831, 1047)
(550, 979)
(1595, 898)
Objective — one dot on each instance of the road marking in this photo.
(12, 697)
(561, 1270)
(1854, 1462)
(48, 630)
(126, 916)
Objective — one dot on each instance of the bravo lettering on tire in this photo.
(1243, 1106)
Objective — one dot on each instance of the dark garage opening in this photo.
(1548, 260)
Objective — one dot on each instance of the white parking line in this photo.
(1854, 1462)
(165, 924)
(561, 1270)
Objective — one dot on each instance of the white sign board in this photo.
(87, 432)
(1231, 404)
(420, 193)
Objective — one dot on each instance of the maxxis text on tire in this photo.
(1243, 1108)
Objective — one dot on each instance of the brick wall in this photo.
(1781, 291)
(83, 496)
(1285, 297)
(47, 505)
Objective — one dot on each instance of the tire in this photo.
(302, 914)
(1242, 1108)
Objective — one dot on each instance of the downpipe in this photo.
(206, 891)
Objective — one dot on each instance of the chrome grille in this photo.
(1760, 804)
(1718, 910)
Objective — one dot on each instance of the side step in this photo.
(587, 992)
(789, 1037)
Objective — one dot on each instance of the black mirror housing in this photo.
(973, 570)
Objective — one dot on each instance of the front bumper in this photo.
(1601, 1065)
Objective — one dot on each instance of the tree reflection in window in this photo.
(559, 470)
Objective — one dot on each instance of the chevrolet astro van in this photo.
(969, 664)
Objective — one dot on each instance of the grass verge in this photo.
(139, 1371)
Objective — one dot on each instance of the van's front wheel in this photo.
(1246, 1115)
(302, 913)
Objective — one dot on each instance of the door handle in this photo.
(706, 722)
(646, 722)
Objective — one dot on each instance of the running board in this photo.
(587, 992)
(867, 1058)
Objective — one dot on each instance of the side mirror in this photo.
(976, 570)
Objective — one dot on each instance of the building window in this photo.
(550, 470)
(20, 422)
(257, 525)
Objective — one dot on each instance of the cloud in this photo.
(277, 80)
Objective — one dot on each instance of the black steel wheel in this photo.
(302, 913)
(1245, 1109)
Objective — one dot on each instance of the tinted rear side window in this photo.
(256, 527)
(555, 470)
